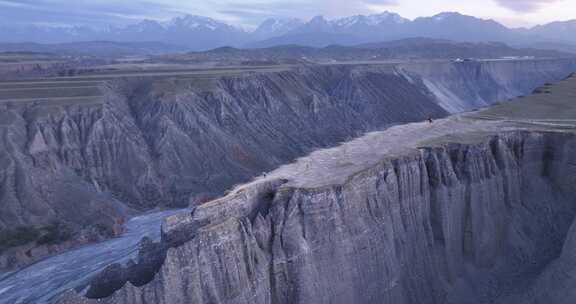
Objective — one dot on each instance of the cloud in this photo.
(254, 12)
(382, 2)
(105, 12)
(65, 12)
(524, 6)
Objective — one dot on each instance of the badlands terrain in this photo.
(472, 208)
(247, 156)
(95, 151)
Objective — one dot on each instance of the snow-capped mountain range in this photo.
(199, 33)
(276, 27)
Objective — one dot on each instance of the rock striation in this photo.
(475, 208)
(173, 142)
(472, 85)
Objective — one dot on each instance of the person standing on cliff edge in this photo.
(430, 120)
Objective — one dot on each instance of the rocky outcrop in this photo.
(452, 223)
(174, 142)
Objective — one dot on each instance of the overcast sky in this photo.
(250, 12)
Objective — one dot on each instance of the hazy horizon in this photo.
(97, 13)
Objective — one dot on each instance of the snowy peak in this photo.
(319, 22)
(192, 22)
(344, 25)
(142, 27)
(446, 16)
(370, 20)
(387, 17)
(455, 18)
(273, 24)
(202, 33)
(276, 27)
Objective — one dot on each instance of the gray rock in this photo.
(429, 227)
(158, 143)
(468, 210)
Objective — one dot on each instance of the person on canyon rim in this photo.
(430, 120)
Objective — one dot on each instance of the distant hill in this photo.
(413, 48)
(563, 47)
(317, 39)
(94, 48)
(442, 48)
(559, 31)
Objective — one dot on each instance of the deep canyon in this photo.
(447, 212)
(474, 208)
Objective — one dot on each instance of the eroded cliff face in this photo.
(471, 85)
(158, 143)
(46, 206)
(162, 142)
(453, 223)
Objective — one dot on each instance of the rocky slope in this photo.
(471, 209)
(170, 143)
(472, 85)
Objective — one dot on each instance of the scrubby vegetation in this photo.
(104, 230)
(17, 237)
(54, 233)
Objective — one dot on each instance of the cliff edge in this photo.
(73, 171)
(473, 208)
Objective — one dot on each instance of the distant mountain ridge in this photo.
(195, 32)
(275, 27)
(389, 26)
(202, 33)
(405, 49)
(561, 30)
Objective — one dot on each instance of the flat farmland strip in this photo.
(57, 101)
(49, 93)
(36, 85)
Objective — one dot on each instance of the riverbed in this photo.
(44, 281)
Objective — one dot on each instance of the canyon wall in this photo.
(449, 223)
(471, 85)
(170, 143)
